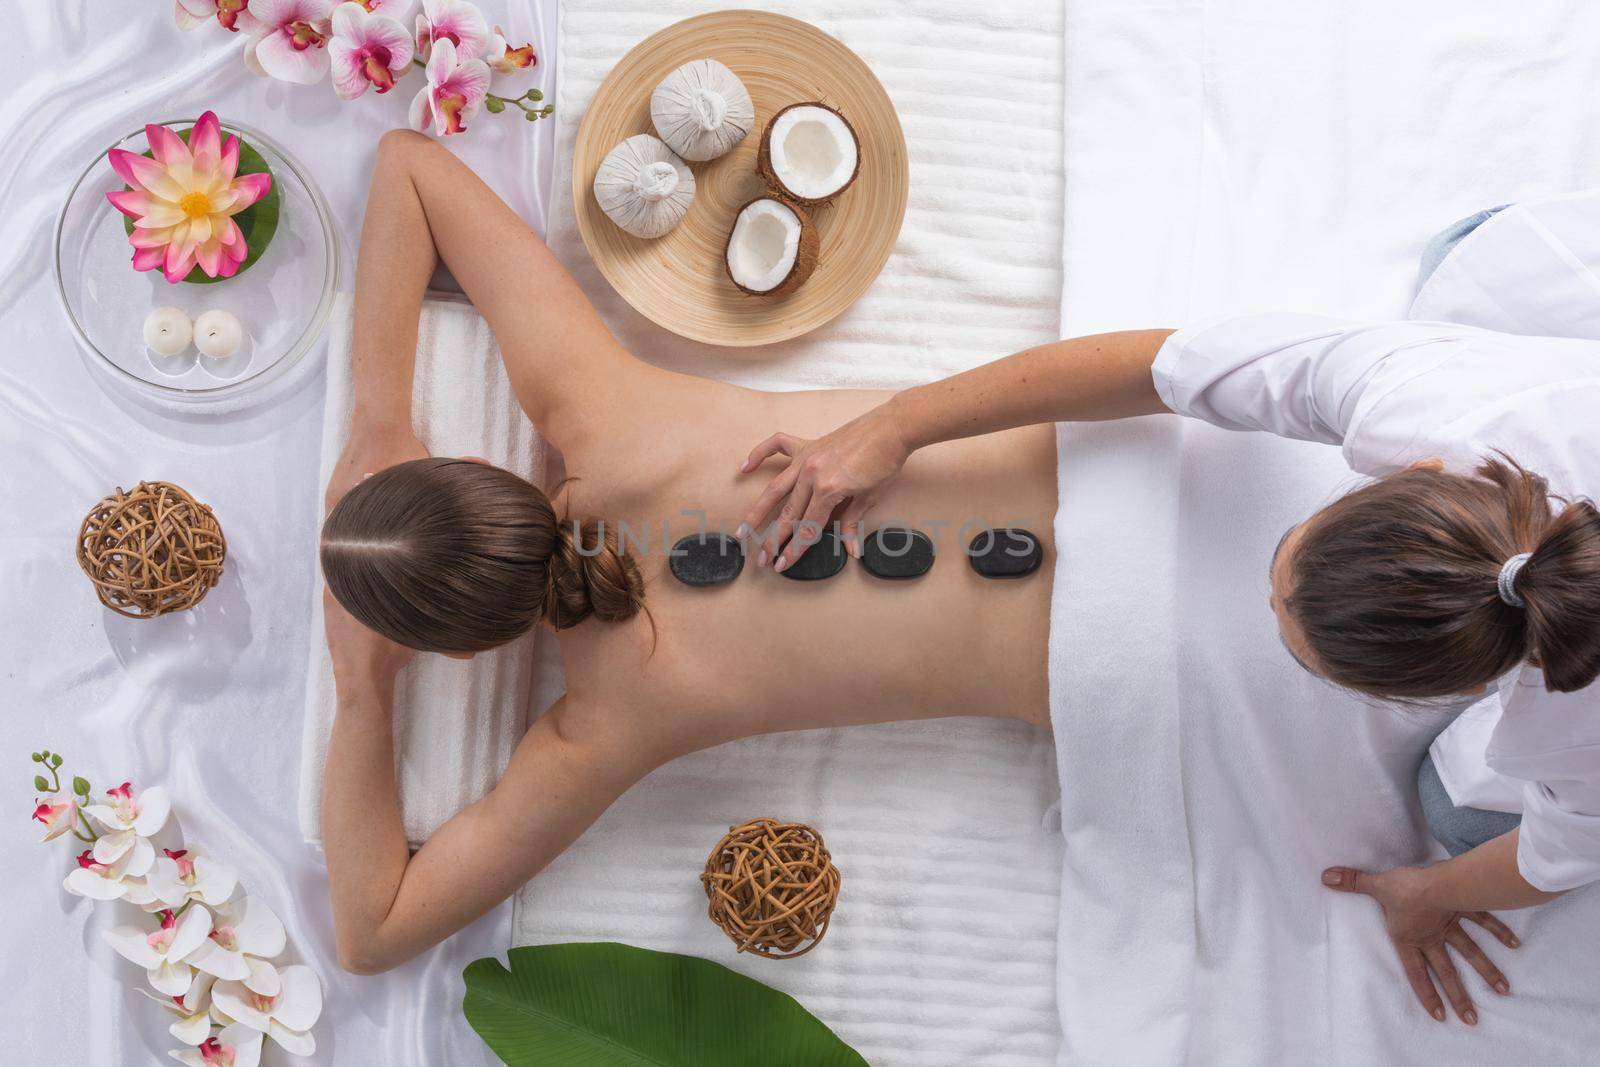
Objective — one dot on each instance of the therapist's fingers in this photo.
(850, 523)
(809, 530)
(1349, 880)
(1500, 930)
(784, 444)
(768, 501)
(1416, 969)
(1462, 942)
(1439, 959)
(778, 533)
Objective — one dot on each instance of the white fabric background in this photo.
(208, 702)
(1225, 157)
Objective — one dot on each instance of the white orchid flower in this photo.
(244, 934)
(58, 812)
(162, 952)
(286, 1017)
(103, 881)
(129, 820)
(193, 1010)
(182, 875)
(236, 1046)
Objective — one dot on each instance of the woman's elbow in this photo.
(362, 957)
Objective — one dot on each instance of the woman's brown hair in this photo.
(1395, 585)
(448, 555)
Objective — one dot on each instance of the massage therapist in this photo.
(1471, 562)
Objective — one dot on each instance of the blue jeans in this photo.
(1457, 829)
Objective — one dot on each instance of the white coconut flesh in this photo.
(813, 152)
(765, 242)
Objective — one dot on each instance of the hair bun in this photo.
(591, 575)
(1560, 586)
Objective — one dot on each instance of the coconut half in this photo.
(772, 248)
(809, 152)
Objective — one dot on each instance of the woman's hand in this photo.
(361, 657)
(1423, 935)
(370, 450)
(847, 467)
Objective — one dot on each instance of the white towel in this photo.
(942, 948)
(457, 721)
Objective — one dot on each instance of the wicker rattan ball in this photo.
(772, 887)
(151, 551)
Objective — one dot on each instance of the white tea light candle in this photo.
(167, 331)
(217, 334)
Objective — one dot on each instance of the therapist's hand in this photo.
(1425, 936)
(847, 468)
(370, 450)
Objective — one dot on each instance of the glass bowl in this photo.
(282, 301)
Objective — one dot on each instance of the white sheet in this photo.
(1223, 157)
(208, 703)
(942, 946)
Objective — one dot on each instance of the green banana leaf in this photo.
(258, 222)
(604, 1004)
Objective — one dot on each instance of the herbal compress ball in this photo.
(643, 186)
(809, 153)
(701, 110)
(772, 248)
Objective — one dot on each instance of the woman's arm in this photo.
(425, 205)
(389, 905)
(1105, 376)
(1423, 908)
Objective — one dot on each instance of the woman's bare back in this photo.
(766, 652)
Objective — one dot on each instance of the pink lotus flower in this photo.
(456, 21)
(366, 49)
(182, 203)
(288, 39)
(454, 93)
(232, 14)
(503, 59)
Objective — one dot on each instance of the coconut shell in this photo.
(805, 256)
(768, 175)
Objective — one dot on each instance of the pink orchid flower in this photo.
(366, 49)
(289, 39)
(236, 1045)
(182, 203)
(233, 15)
(58, 812)
(503, 59)
(456, 21)
(454, 93)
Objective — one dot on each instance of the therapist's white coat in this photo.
(1522, 378)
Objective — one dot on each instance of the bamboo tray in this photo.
(678, 281)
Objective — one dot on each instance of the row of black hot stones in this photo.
(894, 552)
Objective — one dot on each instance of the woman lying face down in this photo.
(432, 555)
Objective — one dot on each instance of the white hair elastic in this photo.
(1507, 582)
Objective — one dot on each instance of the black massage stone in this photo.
(706, 559)
(896, 552)
(1005, 553)
(822, 560)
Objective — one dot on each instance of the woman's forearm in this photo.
(1102, 376)
(1484, 879)
(362, 832)
(396, 261)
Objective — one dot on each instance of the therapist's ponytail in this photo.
(1395, 586)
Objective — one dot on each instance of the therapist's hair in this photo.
(449, 555)
(1395, 585)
